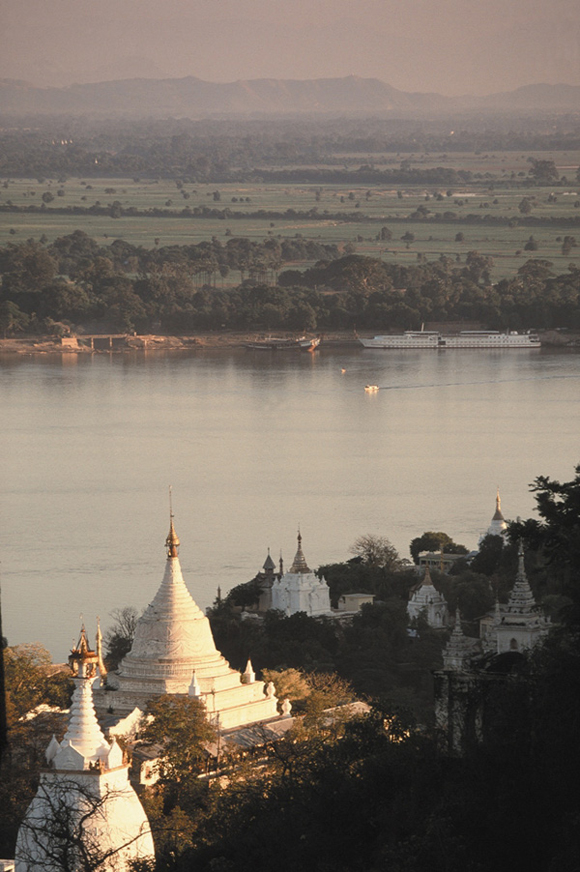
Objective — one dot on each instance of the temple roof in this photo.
(269, 564)
(521, 600)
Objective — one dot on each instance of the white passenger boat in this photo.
(408, 339)
(489, 339)
(465, 339)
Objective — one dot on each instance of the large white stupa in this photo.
(174, 652)
(85, 813)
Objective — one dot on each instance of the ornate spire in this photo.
(172, 542)
(521, 601)
(459, 648)
(427, 577)
(84, 742)
(299, 564)
(83, 661)
(457, 628)
(521, 575)
(498, 513)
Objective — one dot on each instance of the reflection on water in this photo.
(255, 444)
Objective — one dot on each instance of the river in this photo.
(254, 445)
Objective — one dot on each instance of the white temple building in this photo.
(300, 590)
(174, 651)
(426, 599)
(85, 813)
(518, 624)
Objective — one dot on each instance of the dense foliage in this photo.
(222, 150)
(76, 283)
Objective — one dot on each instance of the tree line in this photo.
(229, 150)
(77, 284)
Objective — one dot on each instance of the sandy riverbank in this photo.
(28, 345)
(122, 344)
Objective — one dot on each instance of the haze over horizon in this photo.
(452, 47)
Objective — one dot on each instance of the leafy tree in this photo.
(431, 541)
(557, 535)
(376, 551)
(290, 684)
(489, 555)
(29, 681)
(245, 595)
(543, 171)
(12, 319)
(118, 638)
(180, 725)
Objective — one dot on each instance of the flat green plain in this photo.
(495, 196)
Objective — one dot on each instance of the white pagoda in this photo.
(426, 599)
(174, 652)
(520, 623)
(85, 813)
(498, 524)
(300, 590)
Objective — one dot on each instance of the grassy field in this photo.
(379, 205)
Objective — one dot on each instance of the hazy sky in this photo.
(448, 46)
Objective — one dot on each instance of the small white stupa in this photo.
(300, 590)
(85, 813)
(520, 623)
(426, 599)
(498, 524)
(174, 651)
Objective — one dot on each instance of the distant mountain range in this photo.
(194, 98)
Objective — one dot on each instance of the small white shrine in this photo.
(426, 599)
(300, 590)
(85, 813)
(174, 651)
(518, 624)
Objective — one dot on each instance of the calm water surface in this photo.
(254, 445)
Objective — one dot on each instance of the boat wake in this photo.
(494, 381)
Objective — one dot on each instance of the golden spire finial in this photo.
(82, 659)
(172, 541)
(498, 500)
